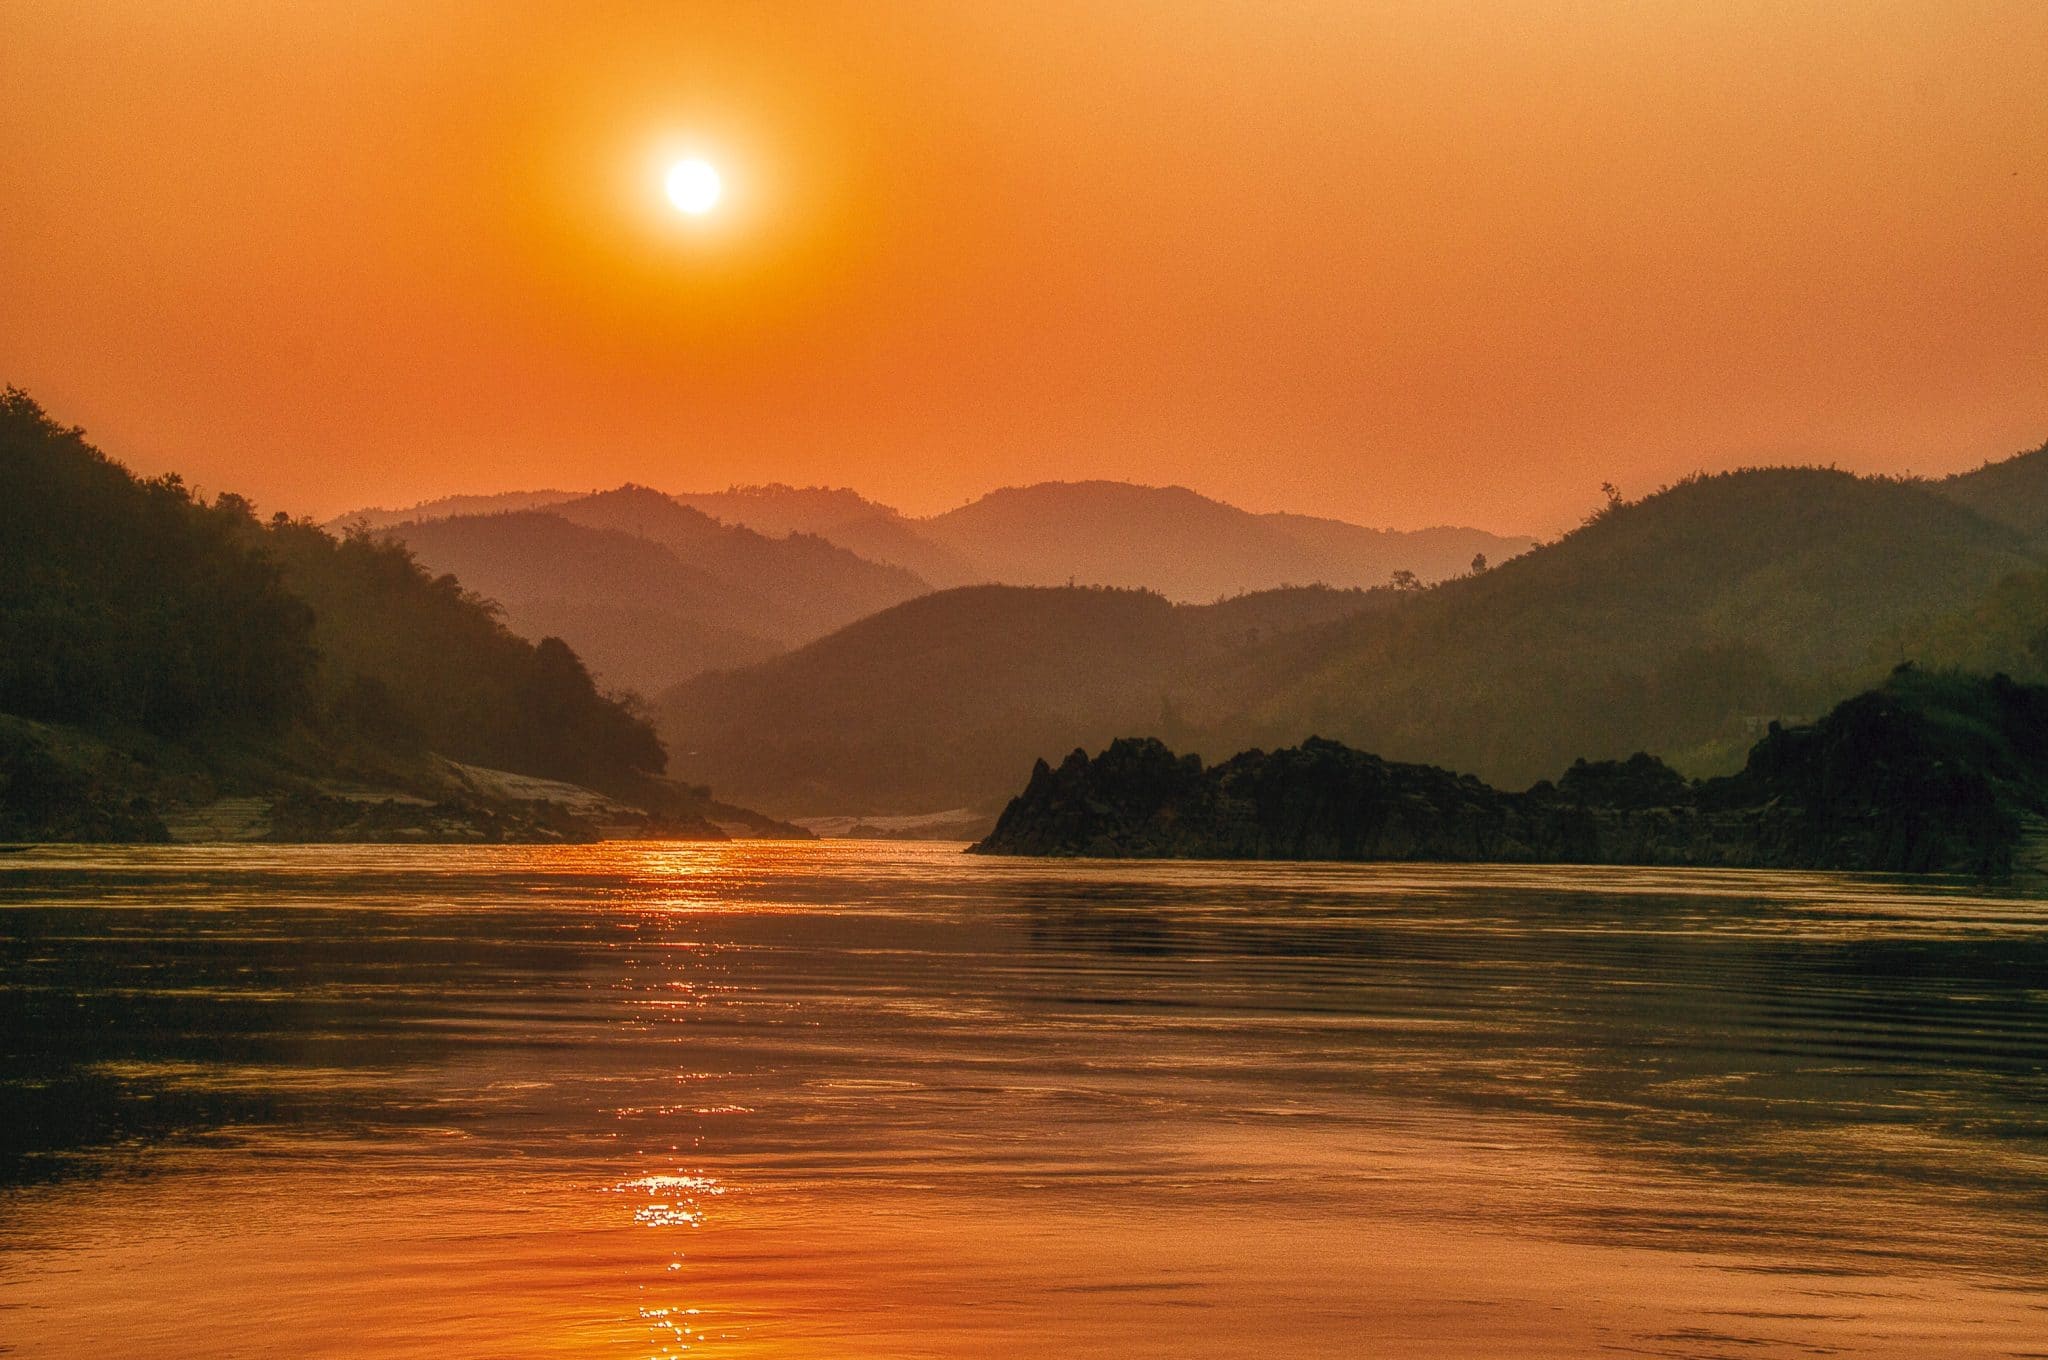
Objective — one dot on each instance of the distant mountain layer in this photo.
(839, 516)
(1930, 774)
(1679, 623)
(652, 591)
(446, 506)
(659, 588)
(1186, 546)
(1166, 539)
(797, 586)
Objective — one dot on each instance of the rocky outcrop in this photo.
(1933, 773)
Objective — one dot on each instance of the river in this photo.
(865, 1099)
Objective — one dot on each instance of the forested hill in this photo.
(938, 702)
(1663, 624)
(180, 629)
(1679, 624)
(2012, 491)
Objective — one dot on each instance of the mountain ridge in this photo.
(693, 592)
(1091, 532)
(1677, 622)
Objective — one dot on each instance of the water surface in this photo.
(866, 1099)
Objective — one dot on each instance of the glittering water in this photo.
(863, 1100)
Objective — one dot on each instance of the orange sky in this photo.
(1405, 263)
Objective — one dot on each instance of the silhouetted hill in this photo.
(131, 602)
(2012, 491)
(652, 591)
(2003, 630)
(446, 506)
(1680, 623)
(1169, 539)
(410, 655)
(1351, 554)
(1931, 773)
(1185, 545)
(934, 703)
(798, 585)
(160, 652)
(777, 508)
(842, 516)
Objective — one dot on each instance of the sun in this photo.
(694, 186)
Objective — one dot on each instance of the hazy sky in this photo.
(1406, 263)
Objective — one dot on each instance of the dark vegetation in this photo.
(1930, 773)
(155, 644)
(1682, 623)
(132, 602)
(410, 656)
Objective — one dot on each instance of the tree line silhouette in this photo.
(136, 604)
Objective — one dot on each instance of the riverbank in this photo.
(69, 785)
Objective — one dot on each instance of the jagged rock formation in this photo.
(1932, 773)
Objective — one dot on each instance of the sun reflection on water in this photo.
(674, 1201)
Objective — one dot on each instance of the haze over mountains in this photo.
(654, 589)
(1186, 546)
(798, 660)
(1680, 623)
(842, 516)
(651, 591)
(815, 680)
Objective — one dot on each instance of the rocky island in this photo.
(1931, 773)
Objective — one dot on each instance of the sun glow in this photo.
(694, 186)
